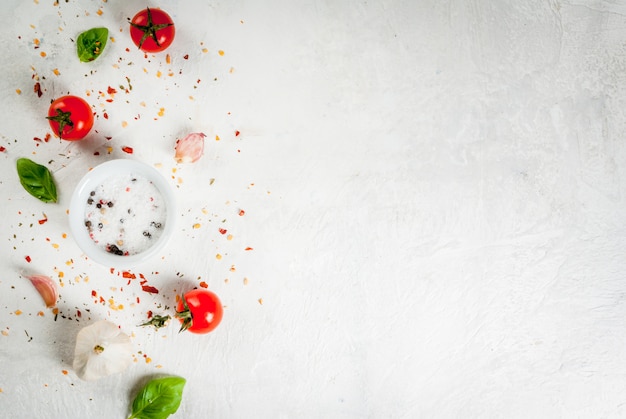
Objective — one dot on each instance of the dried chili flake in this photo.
(39, 140)
(106, 115)
(37, 89)
(241, 213)
(94, 293)
(127, 149)
(2, 149)
(47, 137)
(204, 284)
(128, 275)
(150, 289)
(237, 133)
(28, 259)
(111, 90)
(248, 248)
(222, 231)
(186, 57)
(43, 220)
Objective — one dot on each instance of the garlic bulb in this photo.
(101, 350)
(190, 148)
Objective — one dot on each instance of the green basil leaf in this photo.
(159, 398)
(37, 180)
(91, 43)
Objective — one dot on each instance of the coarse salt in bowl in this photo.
(122, 213)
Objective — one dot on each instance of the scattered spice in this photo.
(150, 289)
(204, 284)
(37, 89)
(127, 149)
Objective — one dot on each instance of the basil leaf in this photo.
(91, 43)
(37, 180)
(159, 398)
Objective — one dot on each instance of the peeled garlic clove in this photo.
(190, 148)
(101, 349)
(46, 288)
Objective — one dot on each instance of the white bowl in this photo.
(98, 176)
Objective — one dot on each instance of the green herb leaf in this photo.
(157, 321)
(37, 180)
(91, 43)
(159, 398)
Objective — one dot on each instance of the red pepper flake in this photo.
(150, 289)
(64, 372)
(78, 313)
(149, 313)
(127, 149)
(96, 153)
(204, 284)
(2, 149)
(108, 138)
(108, 100)
(241, 213)
(138, 301)
(111, 90)
(47, 137)
(248, 248)
(186, 57)
(112, 270)
(106, 115)
(37, 89)
(39, 140)
(28, 259)
(128, 275)
(237, 133)
(222, 231)
(43, 220)
(94, 293)
(142, 276)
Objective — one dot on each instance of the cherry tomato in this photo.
(70, 117)
(199, 311)
(152, 30)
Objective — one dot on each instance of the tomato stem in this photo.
(63, 119)
(150, 30)
(185, 316)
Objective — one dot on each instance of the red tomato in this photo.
(152, 30)
(70, 117)
(200, 312)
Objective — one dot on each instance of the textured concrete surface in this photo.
(433, 192)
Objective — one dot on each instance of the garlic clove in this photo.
(190, 148)
(101, 350)
(46, 288)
